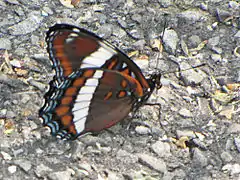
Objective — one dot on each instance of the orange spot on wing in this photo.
(112, 64)
(62, 110)
(126, 71)
(138, 89)
(66, 120)
(66, 100)
(122, 94)
(59, 54)
(78, 82)
(143, 80)
(108, 95)
(71, 91)
(88, 73)
(71, 129)
(58, 46)
(124, 83)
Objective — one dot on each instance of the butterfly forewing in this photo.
(71, 48)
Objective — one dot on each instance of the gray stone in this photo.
(204, 6)
(28, 25)
(234, 4)
(5, 44)
(232, 168)
(126, 156)
(60, 175)
(113, 175)
(191, 77)
(85, 168)
(20, 51)
(222, 14)
(171, 40)
(237, 35)
(142, 130)
(204, 107)
(216, 58)
(217, 50)
(187, 133)
(165, 3)
(5, 155)
(137, 33)
(190, 16)
(229, 144)
(234, 128)
(214, 41)
(42, 170)
(199, 158)
(10, 114)
(35, 39)
(23, 164)
(25, 98)
(48, 10)
(140, 44)
(185, 113)
(105, 31)
(12, 169)
(162, 149)
(36, 84)
(194, 41)
(235, 169)
(237, 143)
(226, 157)
(152, 162)
(137, 18)
(122, 23)
(15, 2)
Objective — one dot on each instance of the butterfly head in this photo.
(155, 81)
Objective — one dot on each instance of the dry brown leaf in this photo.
(236, 51)
(156, 44)
(7, 61)
(21, 72)
(200, 46)
(75, 2)
(26, 113)
(70, 3)
(227, 112)
(133, 53)
(222, 97)
(233, 86)
(8, 127)
(182, 142)
(142, 57)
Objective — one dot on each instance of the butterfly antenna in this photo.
(179, 69)
(160, 47)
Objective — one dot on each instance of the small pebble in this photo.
(12, 169)
(142, 130)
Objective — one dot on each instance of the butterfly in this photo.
(95, 84)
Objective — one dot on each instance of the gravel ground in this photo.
(194, 135)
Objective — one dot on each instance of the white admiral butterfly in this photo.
(95, 85)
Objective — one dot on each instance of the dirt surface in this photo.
(196, 135)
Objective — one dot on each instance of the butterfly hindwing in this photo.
(90, 100)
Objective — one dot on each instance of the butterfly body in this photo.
(95, 85)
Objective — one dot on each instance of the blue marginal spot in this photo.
(52, 127)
